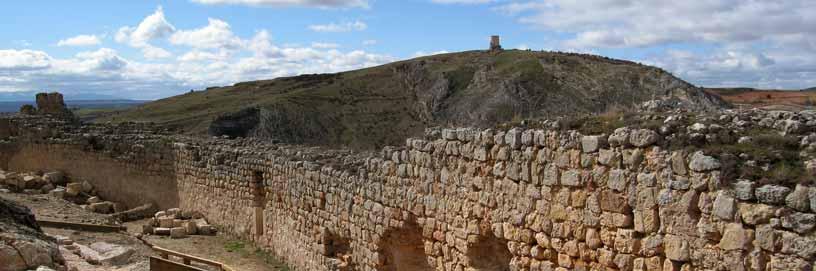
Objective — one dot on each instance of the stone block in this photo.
(772, 194)
(73, 189)
(735, 237)
(178, 232)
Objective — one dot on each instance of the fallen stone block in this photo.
(166, 222)
(105, 253)
(87, 187)
(58, 192)
(161, 231)
(54, 177)
(73, 189)
(93, 200)
(105, 207)
(190, 227)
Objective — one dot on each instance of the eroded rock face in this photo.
(23, 246)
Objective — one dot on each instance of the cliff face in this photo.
(384, 105)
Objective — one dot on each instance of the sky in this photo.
(150, 49)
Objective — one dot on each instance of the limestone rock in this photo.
(73, 189)
(701, 162)
(772, 194)
(591, 144)
(736, 237)
(799, 222)
(724, 206)
(643, 137)
(799, 199)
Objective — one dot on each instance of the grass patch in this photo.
(775, 158)
(234, 246)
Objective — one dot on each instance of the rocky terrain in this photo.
(375, 107)
(23, 245)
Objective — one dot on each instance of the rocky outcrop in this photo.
(239, 124)
(23, 246)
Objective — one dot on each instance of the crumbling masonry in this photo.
(518, 199)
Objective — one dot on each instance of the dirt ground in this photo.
(234, 253)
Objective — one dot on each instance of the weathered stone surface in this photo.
(744, 190)
(799, 199)
(701, 162)
(676, 248)
(591, 144)
(643, 137)
(724, 206)
(772, 194)
(799, 222)
(735, 237)
(755, 214)
(73, 189)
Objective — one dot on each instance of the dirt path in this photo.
(236, 254)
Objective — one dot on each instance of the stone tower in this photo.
(495, 43)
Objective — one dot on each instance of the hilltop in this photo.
(384, 105)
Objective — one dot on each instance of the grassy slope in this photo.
(383, 105)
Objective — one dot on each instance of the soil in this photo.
(237, 254)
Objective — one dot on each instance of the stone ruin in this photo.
(536, 197)
(495, 43)
(48, 104)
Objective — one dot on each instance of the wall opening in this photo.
(490, 254)
(339, 250)
(258, 201)
(404, 250)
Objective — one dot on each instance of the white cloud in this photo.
(286, 3)
(217, 34)
(215, 61)
(325, 45)
(369, 42)
(153, 27)
(81, 40)
(626, 23)
(468, 2)
(340, 27)
(24, 60)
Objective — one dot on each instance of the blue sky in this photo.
(153, 49)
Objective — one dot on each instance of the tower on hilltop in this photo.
(495, 43)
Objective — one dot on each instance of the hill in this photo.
(810, 89)
(383, 105)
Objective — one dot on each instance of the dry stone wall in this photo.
(517, 199)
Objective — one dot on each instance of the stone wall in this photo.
(518, 199)
(123, 164)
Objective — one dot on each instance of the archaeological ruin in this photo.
(515, 198)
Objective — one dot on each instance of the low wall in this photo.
(519, 199)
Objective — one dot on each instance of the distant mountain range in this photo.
(810, 89)
(28, 96)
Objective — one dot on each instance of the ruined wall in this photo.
(122, 165)
(520, 200)
(488, 200)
